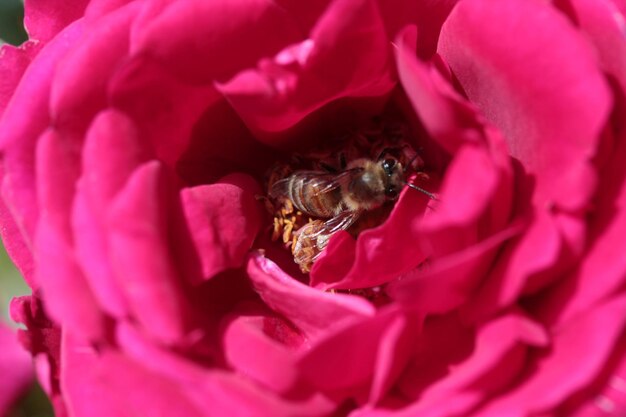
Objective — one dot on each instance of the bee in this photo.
(338, 199)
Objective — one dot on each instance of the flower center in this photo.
(350, 184)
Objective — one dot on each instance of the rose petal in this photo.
(221, 144)
(18, 249)
(443, 342)
(164, 108)
(110, 154)
(93, 386)
(286, 296)
(97, 8)
(449, 281)
(76, 94)
(255, 28)
(601, 272)
(380, 254)
(42, 338)
(395, 348)
(501, 350)
(346, 55)
(305, 14)
(16, 369)
(586, 341)
(45, 19)
(446, 118)
(551, 114)
(169, 386)
(346, 363)
(498, 357)
(57, 271)
(245, 342)
(13, 64)
(611, 397)
(24, 119)
(140, 255)
(223, 220)
(601, 21)
(537, 251)
(427, 16)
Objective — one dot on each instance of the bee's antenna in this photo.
(429, 194)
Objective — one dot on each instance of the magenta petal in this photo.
(97, 8)
(550, 113)
(428, 16)
(57, 271)
(381, 253)
(395, 348)
(44, 19)
(537, 250)
(585, 341)
(16, 368)
(600, 21)
(601, 272)
(446, 119)
(23, 121)
(92, 256)
(140, 253)
(164, 108)
(244, 342)
(449, 281)
(253, 28)
(454, 371)
(286, 296)
(621, 6)
(491, 364)
(610, 398)
(223, 219)
(13, 63)
(454, 223)
(77, 94)
(110, 155)
(346, 55)
(498, 357)
(345, 362)
(94, 386)
(150, 381)
(17, 247)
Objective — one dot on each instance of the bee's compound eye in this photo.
(388, 165)
(391, 192)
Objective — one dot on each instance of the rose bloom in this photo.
(16, 370)
(135, 137)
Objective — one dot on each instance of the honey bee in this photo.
(337, 199)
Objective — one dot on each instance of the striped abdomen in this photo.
(317, 195)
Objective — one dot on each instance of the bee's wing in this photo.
(280, 188)
(313, 237)
(320, 182)
(342, 221)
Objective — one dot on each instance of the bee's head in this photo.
(394, 177)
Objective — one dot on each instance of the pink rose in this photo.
(16, 370)
(135, 138)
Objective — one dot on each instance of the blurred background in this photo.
(34, 403)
